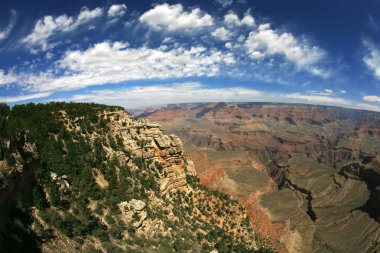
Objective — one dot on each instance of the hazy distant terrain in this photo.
(308, 175)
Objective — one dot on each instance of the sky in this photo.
(144, 53)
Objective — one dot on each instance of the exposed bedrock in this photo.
(371, 176)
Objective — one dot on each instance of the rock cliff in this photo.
(144, 139)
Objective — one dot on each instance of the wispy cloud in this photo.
(7, 78)
(5, 33)
(369, 107)
(324, 92)
(225, 3)
(48, 26)
(24, 97)
(318, 99)
(372, 58)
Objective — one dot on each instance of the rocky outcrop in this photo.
(147, 140)
(61, 181)
(133, 212)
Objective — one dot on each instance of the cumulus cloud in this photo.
(48, 26)
(221, 33)
(187, 92)
(372, 58)
(116, 10)
(24, 97)
(267, 42)
(7, 78)
(116, 62)
(372, 98)
(232, 19)
(173, 18)
(5, 33)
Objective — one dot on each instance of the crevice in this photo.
(336, 182)
(309, 198)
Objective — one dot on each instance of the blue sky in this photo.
(143, 53)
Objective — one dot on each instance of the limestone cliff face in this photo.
(145, 139)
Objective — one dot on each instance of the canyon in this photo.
(308, 175)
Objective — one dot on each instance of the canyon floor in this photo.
(308, 175)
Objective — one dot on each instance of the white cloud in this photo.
(7, 78)
(116, 10)
(172, 18)
(372, 58)
(325, 92)
(5, 33)
(248, 20)
(266, 42)
(49, 55)
(47, 26)
(369, 107)
(225, 3)
(318, 99)
(115, 62)
(168, 40)
(25, 97)
(221, 33)
(372, 98)
(232, 19)
(170, 93)
(87, 15)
